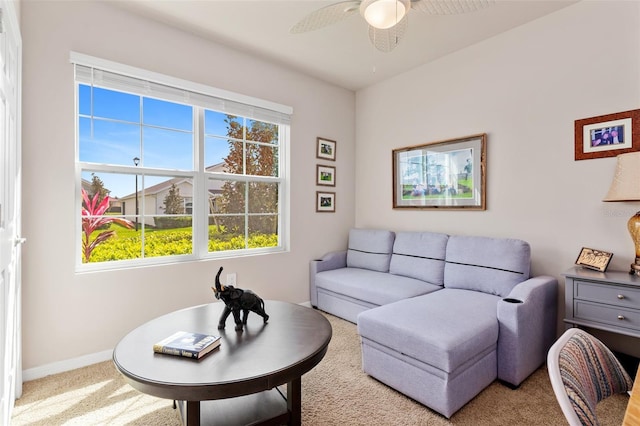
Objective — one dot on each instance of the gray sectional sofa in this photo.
(440, 316)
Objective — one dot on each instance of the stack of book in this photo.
(187, 344)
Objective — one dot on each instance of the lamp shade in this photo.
(626, 180)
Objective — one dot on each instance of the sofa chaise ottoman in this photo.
(470, 312)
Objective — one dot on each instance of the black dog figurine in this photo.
(236, 300)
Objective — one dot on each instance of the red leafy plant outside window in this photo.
(93, 218)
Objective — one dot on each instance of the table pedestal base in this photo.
(264, 409)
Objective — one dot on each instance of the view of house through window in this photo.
(167, 179)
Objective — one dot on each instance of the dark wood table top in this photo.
(261, 357)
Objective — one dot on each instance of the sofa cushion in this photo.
(419, 255)
(444, 329)
(489, 265)
(374, 287)
(370, 249)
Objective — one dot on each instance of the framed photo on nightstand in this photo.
(594, 259)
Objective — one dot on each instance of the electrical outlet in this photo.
(231, 279)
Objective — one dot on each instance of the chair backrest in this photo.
(583, 372)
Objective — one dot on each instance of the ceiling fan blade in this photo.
(326, 16)
(387, 40)
(449, 7)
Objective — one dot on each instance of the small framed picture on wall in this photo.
(607, 135)
(326, 149)
(325, 175)
(325, 202)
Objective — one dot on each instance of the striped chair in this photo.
(583, 372)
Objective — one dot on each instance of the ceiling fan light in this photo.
(383, 14)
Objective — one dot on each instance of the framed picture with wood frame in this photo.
(325, 175)
(326, 149)
(450, 174)
(325, 202)
(607, 135)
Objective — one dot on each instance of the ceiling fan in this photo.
(387, 19)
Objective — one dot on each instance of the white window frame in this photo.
(203, 97)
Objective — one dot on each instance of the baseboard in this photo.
(79, 362)
(67, 365)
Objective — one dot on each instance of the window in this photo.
(169, 170)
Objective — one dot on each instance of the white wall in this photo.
(524, 88)
(69, 315)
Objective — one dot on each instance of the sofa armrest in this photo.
(333, 260)
(527, 320)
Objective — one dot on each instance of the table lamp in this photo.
(626, 187)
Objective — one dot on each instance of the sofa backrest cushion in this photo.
(370, 249)
(490, 265)
(419, 255)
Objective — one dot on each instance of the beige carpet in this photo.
(336, 392)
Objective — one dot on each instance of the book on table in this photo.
(187, 344)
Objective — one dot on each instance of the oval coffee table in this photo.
(236, 383)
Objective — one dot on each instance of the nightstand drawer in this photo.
(619, 317)
(609, 294)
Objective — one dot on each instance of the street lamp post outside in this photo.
(136, 161)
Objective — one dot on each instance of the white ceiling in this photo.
(340, 53)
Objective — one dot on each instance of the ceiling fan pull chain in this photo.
(373, 55)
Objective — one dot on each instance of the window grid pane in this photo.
(132, 137)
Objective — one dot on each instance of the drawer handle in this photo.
(621, 296)
(621, 317)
